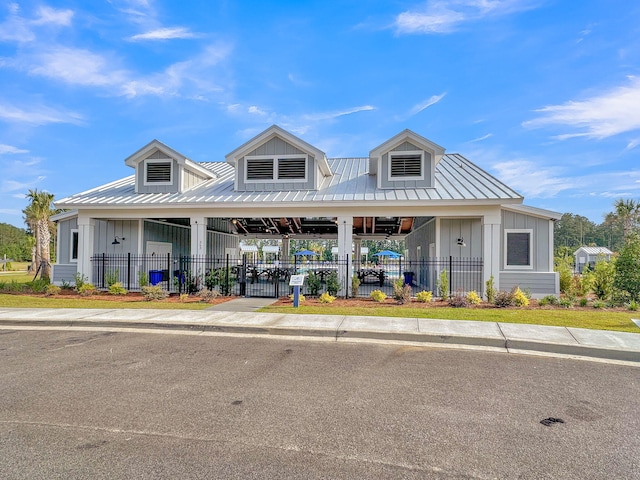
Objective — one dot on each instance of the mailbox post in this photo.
(296, 281)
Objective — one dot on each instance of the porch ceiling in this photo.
(309, 226)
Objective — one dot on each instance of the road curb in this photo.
(519, 346)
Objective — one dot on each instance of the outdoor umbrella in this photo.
(387, 253)
(304, 252)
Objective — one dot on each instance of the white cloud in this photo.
(254, 110)
(531, 179)
(50, 16)
(4, 149)
(167, 33)
(335, 114)
(445, 16)
(75, 66)
(633, 144)
(610, 113)
(13, 185)
(21, 29)
(38, 115)
(427, 103)
(480, 139)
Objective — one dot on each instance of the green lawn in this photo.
(27, 301)
(594, 319)
(16, 276)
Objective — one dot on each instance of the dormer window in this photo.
(158, 172)
(281, 168)
(406, 165)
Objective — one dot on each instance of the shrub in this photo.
(490, 290)
(584, 302)
(599, 304)
(86, 290)
(458, 300)
(548, 300)
(603, 279)
(12, 287)
(565, 270)
(355, 285)
(326, 298)
(143, 278)
(52, 290)
(443, 285)
(111, 277)
(153, 293)
(633, 306)
(503, 299)
(566, 302)
(205, 295)
(301, 298)
(333, 285)
(314, 283)
(424, 297)
(38, 286)
(519, 298)
(401, 292)
(117, 289)
(473, 298)
(66, 285)
(79, 281)
(627, 267)
(378, 296)
(184, 297)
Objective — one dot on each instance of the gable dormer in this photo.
(161, 169)
(278, 160)
(407, 160)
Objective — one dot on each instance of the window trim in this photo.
(77, 235)
(398, 153)
(274, 159)
(158, 160)
(507, 231)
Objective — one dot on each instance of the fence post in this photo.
(226, 277)
(104, 262)
(128, 270)
(242, 276)
(450, 275)
(169, 272)
(347, 277)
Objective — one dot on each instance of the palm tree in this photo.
(628, 213)
(37, 216)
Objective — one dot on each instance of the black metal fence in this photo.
(237, 276)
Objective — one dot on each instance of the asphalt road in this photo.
(132, 405)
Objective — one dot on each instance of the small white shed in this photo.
(589, 256)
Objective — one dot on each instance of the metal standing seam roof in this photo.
(595, 251)
(456, 178)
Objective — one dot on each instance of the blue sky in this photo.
(544, 94)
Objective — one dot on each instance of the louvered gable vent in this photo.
(158, 172)
(291, 168)
(406, 165)
(260, 169)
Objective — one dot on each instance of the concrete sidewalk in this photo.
(504, 337)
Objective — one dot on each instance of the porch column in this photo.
(285, 251)
(357, 253)
(345, 240)
(491, 229)
(198, 245)
(86, 227)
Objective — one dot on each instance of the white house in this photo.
(279, 186)
(588, 256)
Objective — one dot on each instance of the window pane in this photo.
(518, 248)
(74, 245)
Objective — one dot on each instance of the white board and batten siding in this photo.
(426, 180)
(276, 146)
(540, 279)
